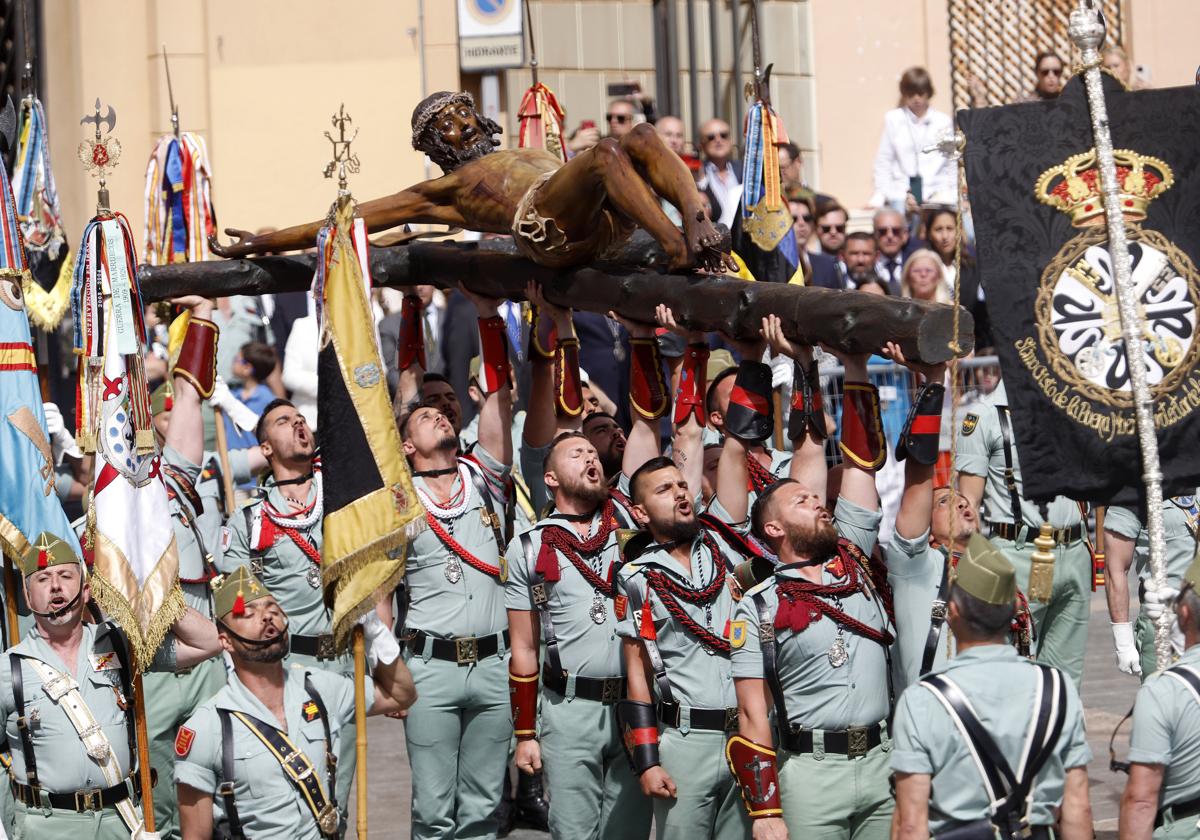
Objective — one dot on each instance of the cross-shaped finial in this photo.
(343, 160)
(100, 154)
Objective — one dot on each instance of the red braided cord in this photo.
(809, 593)
(668, 590)
(566, 542)
(456, 547)
(760, 477)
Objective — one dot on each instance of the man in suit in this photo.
(893, 246)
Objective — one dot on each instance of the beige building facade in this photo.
(260, 80)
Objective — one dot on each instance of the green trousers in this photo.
(832, 797)
(173, 699)
(458, 734)
(596, 796)
(57, 824)
(1184, 829)
(1062, 623)
(707, 801)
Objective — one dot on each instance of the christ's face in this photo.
(458, 126)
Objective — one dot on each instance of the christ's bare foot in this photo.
(708, 245)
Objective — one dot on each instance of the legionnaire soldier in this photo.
(455, 629)
(68, 711)
(263, 750)
(1059, 592)
(817, 636)
(1162, 796)
(197, 518)
(560, 592)
(991, 745)
(1126, 545)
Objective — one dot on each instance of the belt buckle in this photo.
(89, 800)
(610, 690)
(731, 719)
(325, 648)
(938, 610)
(856, 742)
(466, 651)
(327, 819)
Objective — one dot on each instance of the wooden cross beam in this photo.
(850, 321)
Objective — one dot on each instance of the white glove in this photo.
(1129, 661)
(380, 642)
(1155, 601)
(62, 442)
(244, 418)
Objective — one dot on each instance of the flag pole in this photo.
(360, 730)
(143, 745)
(1087, 32)
(10, 600)
(223, 456)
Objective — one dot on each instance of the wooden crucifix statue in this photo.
(560, 215)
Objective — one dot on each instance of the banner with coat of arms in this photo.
(1047, 274)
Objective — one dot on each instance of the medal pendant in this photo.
(313, 576)
(327, 821)
(597, 611)
(453, 570)
(708, 650)
(837, 652)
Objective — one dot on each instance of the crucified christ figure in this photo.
(559, 214)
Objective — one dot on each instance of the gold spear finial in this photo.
(344, 161)
(101, 153)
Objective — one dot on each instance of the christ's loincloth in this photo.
(540, 239)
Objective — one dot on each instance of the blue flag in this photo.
(28, 503)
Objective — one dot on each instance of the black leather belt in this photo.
(466, 650)
(853, 742)
(712, 720)
(984, 828)
(1179, 811)
(81, 801)
(1062, 536)
(603, 690)
(319, 646)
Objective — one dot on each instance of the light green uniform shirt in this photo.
(63, 764)
(474, 605)
(981, 452)
(699, 679)
(284, 566)
(1166, 730)
(1177, 529)
(1000, 685)
(208, 522)
(242, 325)
(818, 695)
(268, 803)
(915, 574)
(585, 648)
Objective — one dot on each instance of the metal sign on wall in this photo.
(995, 42)
(491, 35)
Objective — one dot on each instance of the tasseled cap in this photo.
(235, 590)
(46, 551)
(984, 571)
(162, 399)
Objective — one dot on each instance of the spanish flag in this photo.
(371, 509)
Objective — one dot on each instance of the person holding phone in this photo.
(906, 176)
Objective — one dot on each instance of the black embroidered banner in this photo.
(1046, 271)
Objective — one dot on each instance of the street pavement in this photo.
(1107, 694)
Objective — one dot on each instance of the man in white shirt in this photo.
(722, 174)
(902, 167)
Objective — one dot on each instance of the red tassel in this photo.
(547, 563)
(239, 605)
(43, 559)
(647, 630)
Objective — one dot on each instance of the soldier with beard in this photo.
(263, 749)
(561, 592)
(609, 441)
(454, 628)
(67, 709)
(813, 640)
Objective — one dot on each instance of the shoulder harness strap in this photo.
(18, 683)
(489, 505)
(225, 789)
(665, 694)
(1010, 475)
(556, 677)
(937, 617)
(767, 642)
(331, 759)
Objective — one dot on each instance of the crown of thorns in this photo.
(432, 106)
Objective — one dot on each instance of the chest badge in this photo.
(969, 424)
(310, 711)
